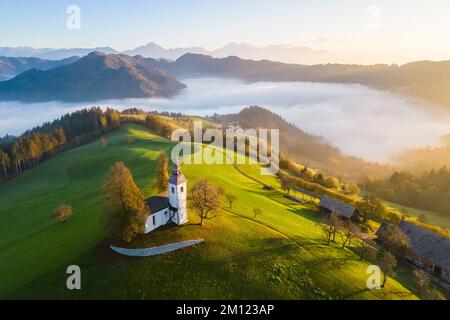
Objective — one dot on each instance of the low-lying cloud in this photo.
(360, 121)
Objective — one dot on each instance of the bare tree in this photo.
(348, 231)
(395, 240)
(388, 264)
(257, 212)
(230, 199)
(205, 199)
(367, 251)
(330, 225)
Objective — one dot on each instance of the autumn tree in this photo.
(388, 264)
(17, 156)
(422, 218)
(205, 199)
(394, 239)
(33, 151)
(330, 226)
(157, 124)
(348, 231)
(230, 199)
(63, 212)
(371, 207)
(422, 280)
(426, 290)
(125, 210)
(4, 163)
(113, 117)
(162, 172)
(352, 188)
(286, 183)
(433, 294)
(60, 136)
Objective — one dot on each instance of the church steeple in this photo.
(178, 195)
(177, 176)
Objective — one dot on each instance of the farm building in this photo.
(328, 205)
(428, 250)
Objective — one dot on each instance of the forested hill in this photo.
(10, 67)
(300, 145)
(425, 79)
(92, 78)
(100, 76)
(20, 154)
(428, 191)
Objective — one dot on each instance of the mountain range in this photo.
(94, 77)
(428, 80)
(283, 53)
(10, 67)
(50, 54)
(121, 76)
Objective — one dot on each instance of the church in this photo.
(169, 206)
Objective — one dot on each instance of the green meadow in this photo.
(280, 254)
(434, 218)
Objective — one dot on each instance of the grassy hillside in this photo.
(433, 218)
(279, 255)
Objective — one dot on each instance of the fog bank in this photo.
(359, 121)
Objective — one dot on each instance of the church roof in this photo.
(177, 176)
(158, 203)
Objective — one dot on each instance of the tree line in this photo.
(428, 191)
(43, 142)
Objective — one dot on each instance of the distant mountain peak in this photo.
(96, 54)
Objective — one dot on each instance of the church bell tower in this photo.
(178, 196)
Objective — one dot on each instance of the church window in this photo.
(182, 189)
(173, 190)
(154, 220)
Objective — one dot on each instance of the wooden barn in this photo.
(328, 205)
(428, 250)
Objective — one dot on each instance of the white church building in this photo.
(169, 206)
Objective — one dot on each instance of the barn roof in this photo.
(340, 208)
(427, 244)
(158, 203)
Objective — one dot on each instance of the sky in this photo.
(382, 30)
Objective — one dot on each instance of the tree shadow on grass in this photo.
(270, 247)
